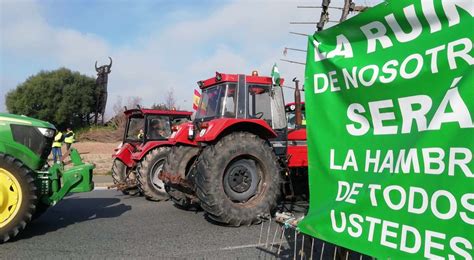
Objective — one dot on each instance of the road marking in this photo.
(241, 247)
(100, 188)
(247, 246)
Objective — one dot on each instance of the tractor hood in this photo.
(26, 139)
(24, 120)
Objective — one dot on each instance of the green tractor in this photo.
(28, 185)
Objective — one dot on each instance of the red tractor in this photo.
(145, 146)
(297, 163)
(236, 158)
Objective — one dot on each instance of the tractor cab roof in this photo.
(145, 111)
(222, 77)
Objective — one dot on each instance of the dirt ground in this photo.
(98, 153)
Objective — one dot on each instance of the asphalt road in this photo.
(107, 224)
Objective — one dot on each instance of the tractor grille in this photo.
(32, 138)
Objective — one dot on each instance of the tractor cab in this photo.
(146, 140)
(145, 125)
(241, 97)
(146, 129)
(290, 110)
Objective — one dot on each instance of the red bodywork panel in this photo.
(234, 78)
(181, 136)
(217, 126)
(124, 153)
(297, 148)
(142, 150)
(130, 155)
(297, 134)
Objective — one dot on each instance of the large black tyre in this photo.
(179, 162)
(238, 179)
(120, 175)
(150, 167)
(17, 182)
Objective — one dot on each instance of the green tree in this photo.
(62, 97)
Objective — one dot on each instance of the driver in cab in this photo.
(156, 130)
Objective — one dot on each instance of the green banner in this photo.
(390, 108)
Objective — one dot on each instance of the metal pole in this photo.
(322, 252)
(301, 34)
(268, 232)
(295, 62)
(324, 18)
(298, 114)
(274, 235)
(302, 248)
(294, 250)
(281, 239)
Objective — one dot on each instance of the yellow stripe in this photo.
(2, 118)
(196, 100)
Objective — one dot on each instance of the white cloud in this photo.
(26, 33)
(237, 37)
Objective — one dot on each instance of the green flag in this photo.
(275, 75)
(390, 109)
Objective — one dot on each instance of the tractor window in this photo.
(158, 127)
(230, 101)
(135, 128)
(260, 102)
(178, 120)
(211, 100)
(291, 116)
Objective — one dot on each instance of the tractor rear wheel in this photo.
(179, 163)
(17, 196)
(120, 175)
(238, 179)
(150, 167)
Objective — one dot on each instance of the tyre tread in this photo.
(24, 216)
(208, 184)
(144, 185)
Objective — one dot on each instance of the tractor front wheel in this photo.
(179, 164)
(17, 197)
(238, 179)
(121, 176)
(150, 167)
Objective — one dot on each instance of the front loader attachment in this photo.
(58, 181)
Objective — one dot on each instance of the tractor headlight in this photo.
(191, 132)
(48, 132)
(37, 139)
(202, 132)
(117, 150)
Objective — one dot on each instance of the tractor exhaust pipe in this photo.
(298, 116)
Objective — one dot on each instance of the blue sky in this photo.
(156, 45)
(122, 22)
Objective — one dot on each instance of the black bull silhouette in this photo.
(101, 82)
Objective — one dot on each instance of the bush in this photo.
(62, 97)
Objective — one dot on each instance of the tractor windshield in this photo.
(218, 101)
(259, 102)
(135, 128)
(158, 127)
(291, 116)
